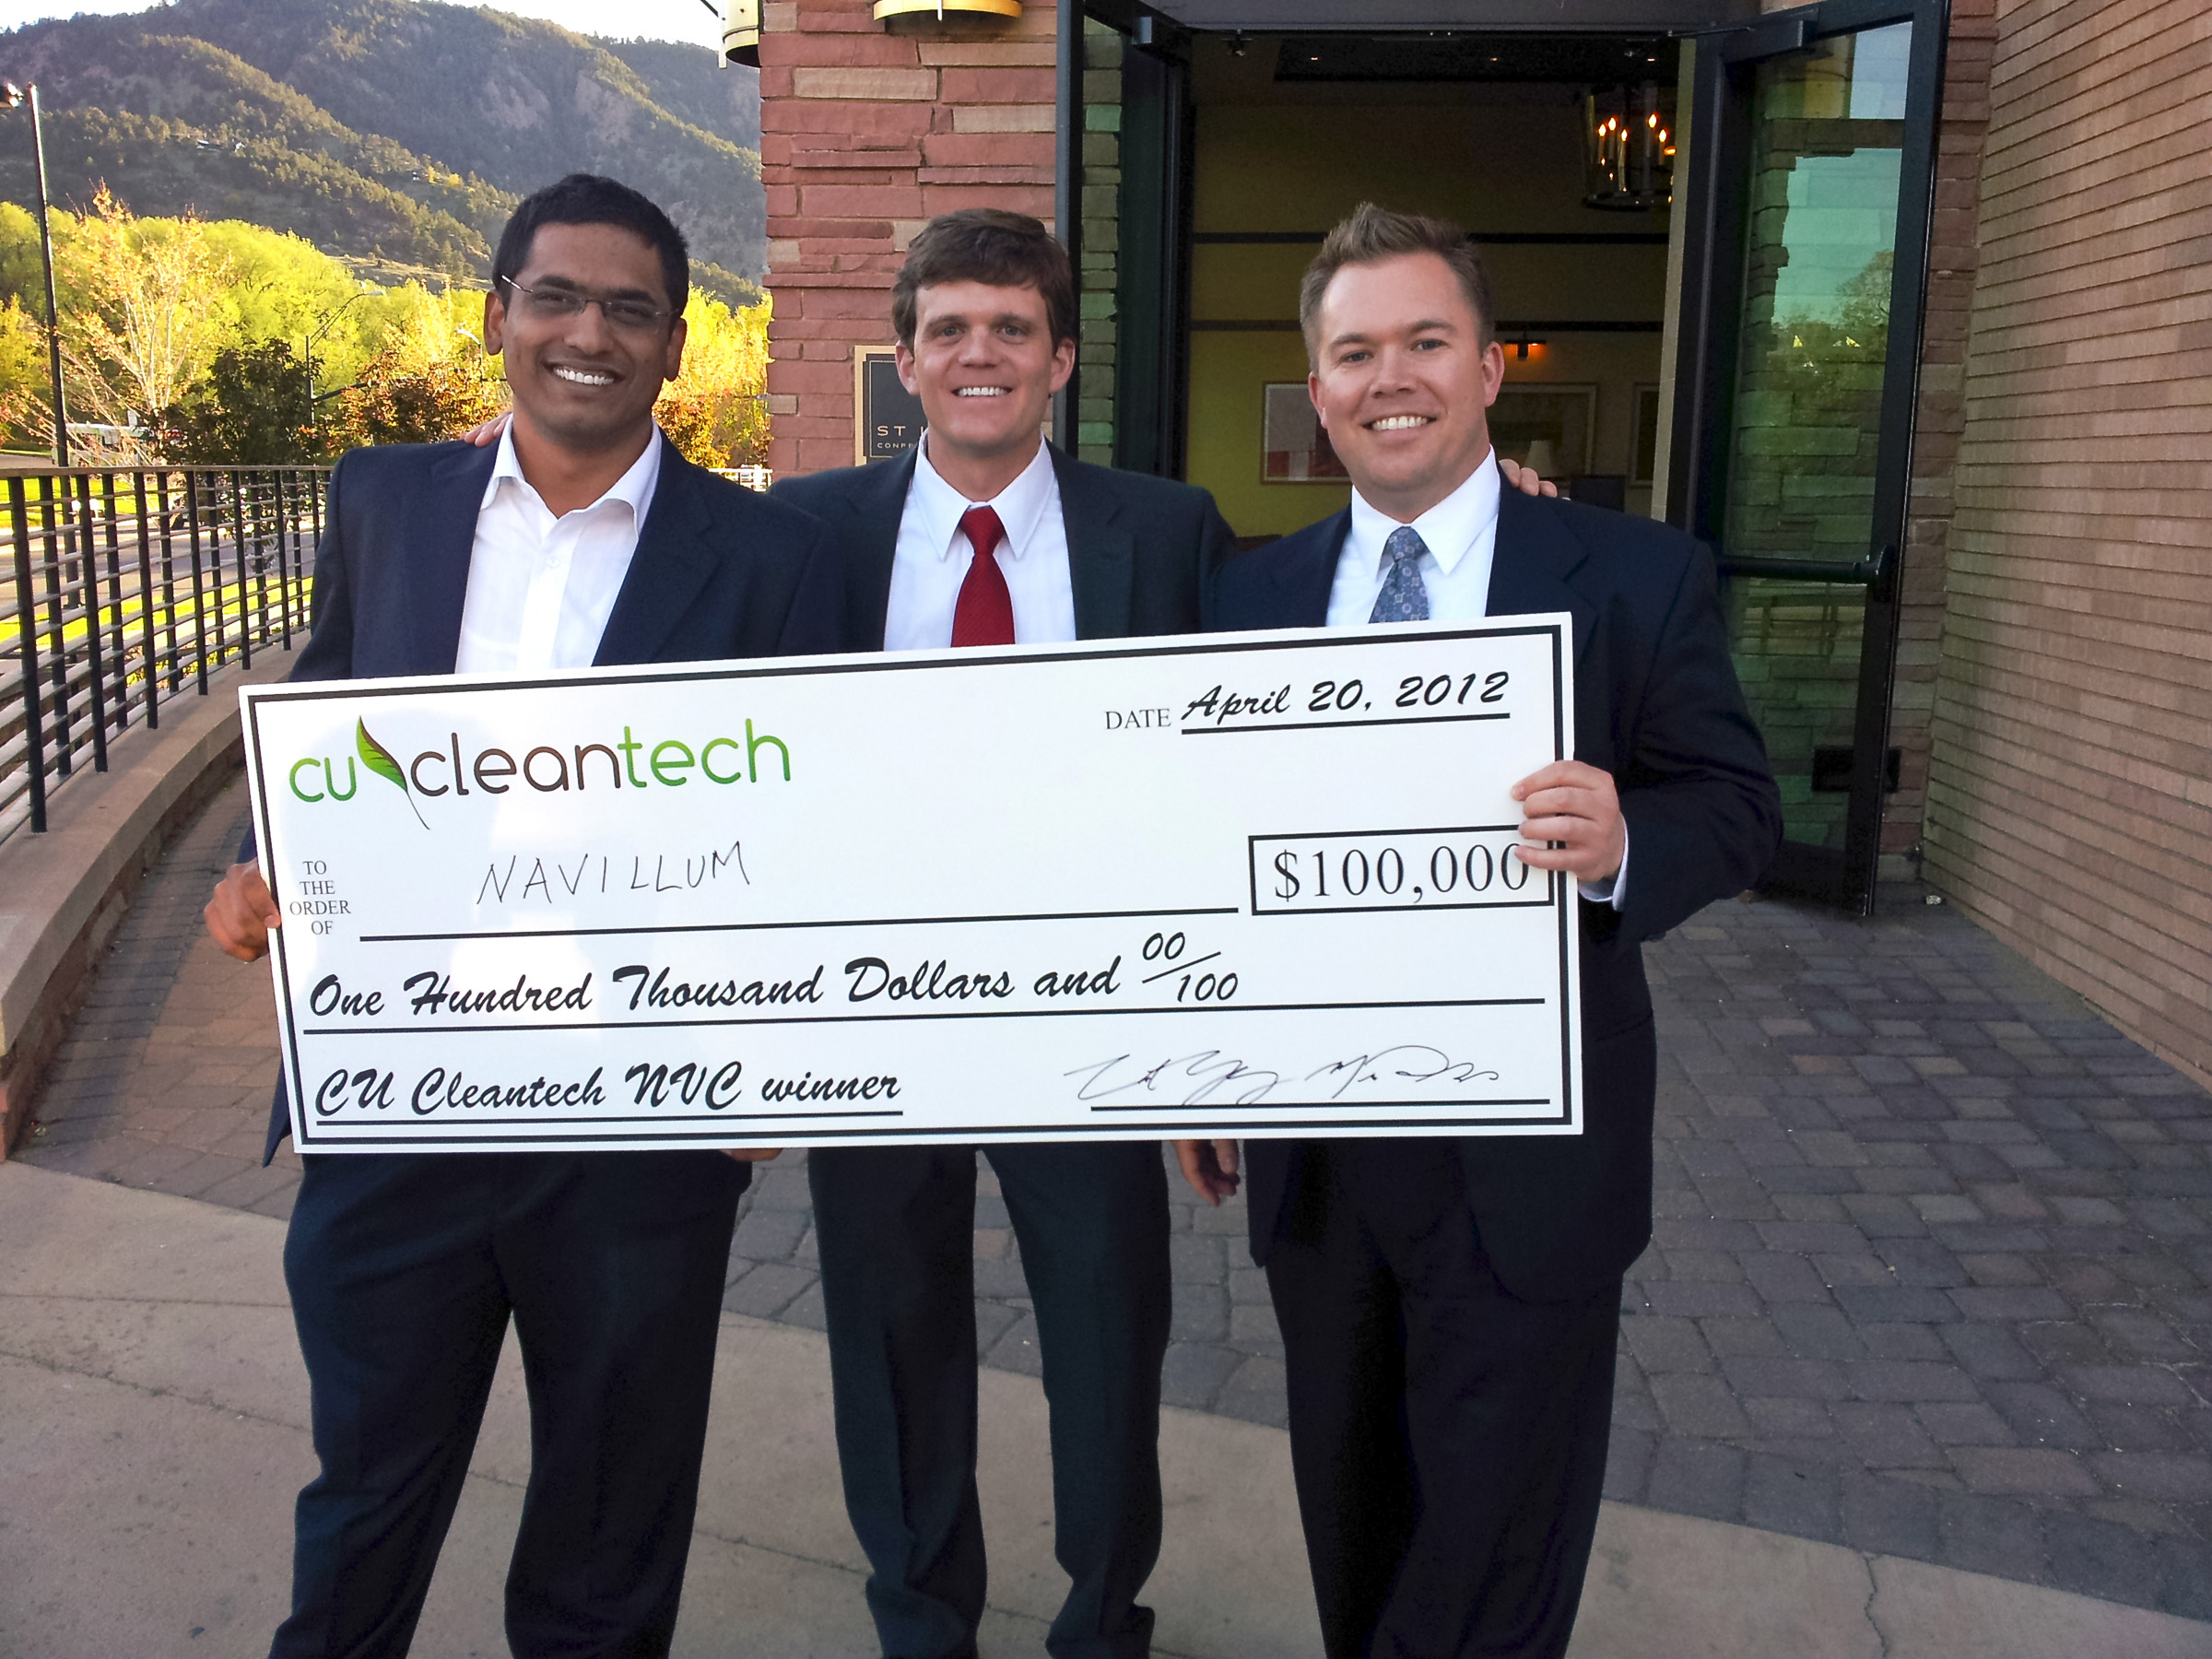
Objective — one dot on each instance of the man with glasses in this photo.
(582, 539)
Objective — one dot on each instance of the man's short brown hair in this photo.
(1373, 234)
(988, 245)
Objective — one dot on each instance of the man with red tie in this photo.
(985, 535)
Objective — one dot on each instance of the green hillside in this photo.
(393, 134)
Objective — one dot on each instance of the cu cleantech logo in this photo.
(630, 762)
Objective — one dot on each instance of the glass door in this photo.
(1812, 179)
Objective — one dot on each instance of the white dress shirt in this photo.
(932, 558)
(1461, 535)
(540, 588)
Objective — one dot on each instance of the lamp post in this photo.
(13, 97)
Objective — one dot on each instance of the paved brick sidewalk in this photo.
(1930, 1276)
(164, 1081)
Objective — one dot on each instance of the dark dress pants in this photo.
(895, 1229)
(404, 1271)
(1448, 1439)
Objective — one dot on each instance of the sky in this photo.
(654, 19)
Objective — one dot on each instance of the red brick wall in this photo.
(2069, 804)
(865, 136)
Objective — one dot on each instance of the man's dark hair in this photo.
(588, 199)
(1373, 234)
(988, 245)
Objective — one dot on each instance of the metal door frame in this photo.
(1718, 213)
(1153, 289)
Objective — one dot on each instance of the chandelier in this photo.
(1628, 149)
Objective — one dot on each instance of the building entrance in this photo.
(1290, 134)
(1715, 322)
(1806, 233)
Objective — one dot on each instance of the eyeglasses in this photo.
(557, 304)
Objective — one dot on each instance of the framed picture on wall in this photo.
(1294, 446)
(1550, 427)
(1644, 448)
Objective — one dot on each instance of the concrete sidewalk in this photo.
(155, 1433)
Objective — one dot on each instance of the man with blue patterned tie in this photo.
(1449, 1308)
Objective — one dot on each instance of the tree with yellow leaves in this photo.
(25, 418)
(144, 313)
(431, 380)
(716, 411)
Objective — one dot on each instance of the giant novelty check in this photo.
(1255, 884)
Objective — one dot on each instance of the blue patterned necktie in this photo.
(1404, 597)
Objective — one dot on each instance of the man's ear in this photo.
(1063, 363)
(905, 360)
(495, 321)
(1313, 394)
(673, 361)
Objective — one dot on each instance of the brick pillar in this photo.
(865, 135)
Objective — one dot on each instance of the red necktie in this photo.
(984, 614)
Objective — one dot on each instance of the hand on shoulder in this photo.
(1517, 476)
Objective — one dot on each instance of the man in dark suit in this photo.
(1449, 1307)
(986, 534)
(582, 539)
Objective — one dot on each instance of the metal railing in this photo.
(122, 588)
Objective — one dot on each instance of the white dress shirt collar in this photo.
(1019, 506)
(541, 589)
(635, 487)
(1450, 530)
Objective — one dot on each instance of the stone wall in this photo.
(1952, 262)
(2069, 806)
(1101, 213)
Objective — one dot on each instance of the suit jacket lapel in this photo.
(672, 562)
(1533, 564)
(1101, 553)
(872, 509)
(1304, 570)
(442, 539)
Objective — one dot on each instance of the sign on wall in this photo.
(886, 416)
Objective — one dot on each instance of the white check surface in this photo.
(1248, 885)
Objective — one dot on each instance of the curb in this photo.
(63, 893)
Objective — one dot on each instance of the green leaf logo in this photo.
(378, 759)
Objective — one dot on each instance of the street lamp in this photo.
(13, 97)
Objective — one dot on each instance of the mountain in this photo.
(396, 133)
(691, 85)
